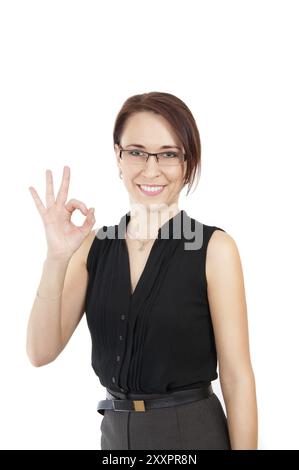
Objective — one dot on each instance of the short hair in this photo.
(178, 115)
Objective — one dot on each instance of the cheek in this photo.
(176, 175)
(130, 174)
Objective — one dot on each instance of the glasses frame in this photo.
(149, 154)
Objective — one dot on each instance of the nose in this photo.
(151, 167)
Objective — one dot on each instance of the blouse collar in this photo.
(172, 228)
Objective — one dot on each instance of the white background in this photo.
(66, 69)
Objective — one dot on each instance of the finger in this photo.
(50, 198)
(39, 205)
(64, 187)
(74, 204)
(89, 222)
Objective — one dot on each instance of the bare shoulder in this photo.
(83, 250)
(222, 254)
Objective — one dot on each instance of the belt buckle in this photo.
(139, 405)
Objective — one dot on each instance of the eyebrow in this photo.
(163, 146)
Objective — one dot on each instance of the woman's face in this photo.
(153, 132)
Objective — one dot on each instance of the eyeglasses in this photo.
(138, 157)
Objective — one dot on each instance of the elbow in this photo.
(37, 360)
(245, 377)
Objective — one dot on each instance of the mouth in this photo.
(150, 189)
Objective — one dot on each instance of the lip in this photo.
(150, 193)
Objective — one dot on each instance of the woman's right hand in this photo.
(63, 237)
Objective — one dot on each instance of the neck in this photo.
(145, 222)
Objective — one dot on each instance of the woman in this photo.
(163, 295)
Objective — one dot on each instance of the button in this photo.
(120, 337)
(123, 317)
(113, 380)
(118, 358)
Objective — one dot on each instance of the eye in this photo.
(135, 153)
(169, 154)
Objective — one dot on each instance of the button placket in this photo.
(118, 356)
(121, 339)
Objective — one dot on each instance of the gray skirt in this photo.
(200, 425)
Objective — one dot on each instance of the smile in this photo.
(150, 190)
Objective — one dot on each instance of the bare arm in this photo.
(58, 307)
(227, 302)
(52, 322)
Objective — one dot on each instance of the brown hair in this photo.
(179, 116)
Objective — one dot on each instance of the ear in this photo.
(185, 168)
(117, 153)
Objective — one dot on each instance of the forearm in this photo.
(44, 325)
(242, 414)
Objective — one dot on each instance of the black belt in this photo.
(178, 397)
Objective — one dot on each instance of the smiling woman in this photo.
(148, 303)
(162, 292)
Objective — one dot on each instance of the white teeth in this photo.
(151, 188)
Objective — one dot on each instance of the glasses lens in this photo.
(134, 156)
(170, 158)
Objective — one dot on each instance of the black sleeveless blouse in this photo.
(160, 338)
